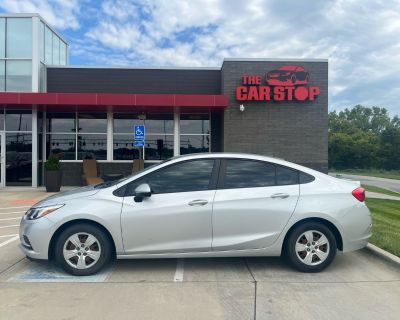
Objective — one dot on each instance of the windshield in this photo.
(115, 182)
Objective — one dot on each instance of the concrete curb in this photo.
(383, 254)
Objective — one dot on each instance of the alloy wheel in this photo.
(312, 247)
(82, 250)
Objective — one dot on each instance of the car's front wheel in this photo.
(311, 247)
(82, 249)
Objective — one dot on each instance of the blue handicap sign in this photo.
(139, 143)
(139, 132)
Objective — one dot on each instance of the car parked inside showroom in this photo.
(202, 205)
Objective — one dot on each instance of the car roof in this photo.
(291, 68)
(249, 156)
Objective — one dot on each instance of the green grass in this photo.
(385, 224)
(381, 190)
(392, 174)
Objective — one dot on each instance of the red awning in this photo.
(119, 102)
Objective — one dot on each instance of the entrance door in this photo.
(2, 164)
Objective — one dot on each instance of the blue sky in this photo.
(361, 39)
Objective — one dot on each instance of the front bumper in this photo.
(35, 236)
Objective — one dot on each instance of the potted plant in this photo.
(52, 174)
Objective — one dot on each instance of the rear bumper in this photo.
(357, 227)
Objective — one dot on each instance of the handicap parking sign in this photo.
(139, 132)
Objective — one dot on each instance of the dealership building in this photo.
(274, 107)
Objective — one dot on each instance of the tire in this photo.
(315, 257)
(88, 246)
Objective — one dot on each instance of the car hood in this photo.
(68, 195)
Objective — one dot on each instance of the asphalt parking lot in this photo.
(357, 285)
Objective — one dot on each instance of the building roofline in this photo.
(133, 67)
(31, 15)
(274, 60)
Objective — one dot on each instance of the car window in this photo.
(248, 174)
(192, 175)
(286, 176)
(306, 178)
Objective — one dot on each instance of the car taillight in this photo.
(359, 194)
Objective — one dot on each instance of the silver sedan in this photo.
(204, 205)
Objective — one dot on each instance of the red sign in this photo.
(287, 83)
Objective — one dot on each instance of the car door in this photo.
(253, 203)
(177, 216)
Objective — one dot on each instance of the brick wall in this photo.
(296, 131)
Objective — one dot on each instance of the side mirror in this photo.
(142, 191)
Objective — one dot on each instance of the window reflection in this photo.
(19, 38)
(195, 124)
(60, 122)
(18, 75)
(159, 147)
(124, 122)
(182, 177)
(194, 143)
(62, 145)
(159, 123)
(92, 122)
(18, 159)
(124, 148)
(249, 174)
(19, 120)
(92, 146)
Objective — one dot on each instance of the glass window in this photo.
(195, 124)
(56, 49)
(60, 122)
(63, 53)
(159, 123)
(48, 46)
(18, 120)
(249, 174)
(124, 148)
(159, 147)
(2, 75)
(19, 76)
(41, 41)
(2, 37)
(286, 176)
(92, 146)
(19, 159)
(62, 145)
(124, 122)
(194, 143)
(182, 177)
(19, 38)
(92, 123)
(306, 178)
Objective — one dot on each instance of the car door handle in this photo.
(198, 203)
(280, 195)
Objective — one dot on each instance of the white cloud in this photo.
(61, 14)
(360, 38)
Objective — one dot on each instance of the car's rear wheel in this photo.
(82, 249)
(311, 247)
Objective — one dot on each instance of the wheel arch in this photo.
(328, 224)
(77, 221)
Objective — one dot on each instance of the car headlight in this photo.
(36, 213)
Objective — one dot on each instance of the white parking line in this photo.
(9, 226)
(14, 207)
(8, 241)
(8, 235)
(12, 212)
(6, 219)
(179, 270)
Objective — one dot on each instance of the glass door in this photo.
(2, 164)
